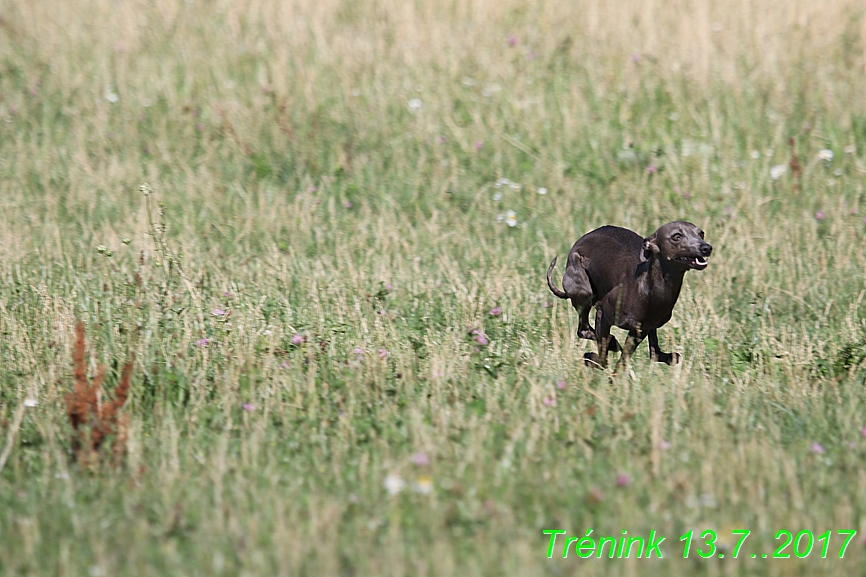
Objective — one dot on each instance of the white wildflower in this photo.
(394, 483)
(423, 485)
(826, 154)
(490, 90)
(511, 218)
(777, 171)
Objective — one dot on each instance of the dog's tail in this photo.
(560, 293)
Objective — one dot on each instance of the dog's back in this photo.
(610, 254)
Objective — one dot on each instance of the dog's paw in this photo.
(587, 334)
(669, 358)
(592, 360)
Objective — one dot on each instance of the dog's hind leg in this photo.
(604, 340)
(579, 289)
(656, 352)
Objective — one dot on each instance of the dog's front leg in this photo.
(631, 343)
(656, 352)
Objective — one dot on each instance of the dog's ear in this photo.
(650, 248)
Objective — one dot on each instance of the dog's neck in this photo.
(661, 278)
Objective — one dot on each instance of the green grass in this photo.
(296, 182)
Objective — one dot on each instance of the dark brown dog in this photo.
(633, 282)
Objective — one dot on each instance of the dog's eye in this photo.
(677, 237)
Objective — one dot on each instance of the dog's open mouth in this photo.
(695, 262)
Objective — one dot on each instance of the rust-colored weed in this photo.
(796, 169)
(92, 418)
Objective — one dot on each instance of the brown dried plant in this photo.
(93, 419)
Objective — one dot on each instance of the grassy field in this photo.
(339, 192)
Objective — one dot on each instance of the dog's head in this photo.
(678, 243)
